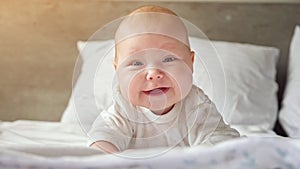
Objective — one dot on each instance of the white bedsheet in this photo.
(33, 144)
(25, 132)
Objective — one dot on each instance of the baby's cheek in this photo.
(124, 82)
(132, 88)
(132, 93)
(182, 79)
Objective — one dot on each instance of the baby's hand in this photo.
(105, 147)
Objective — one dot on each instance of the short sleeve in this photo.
(206, 124)
(112, 127)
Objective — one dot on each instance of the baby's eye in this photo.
(170, 59)
(137, 63)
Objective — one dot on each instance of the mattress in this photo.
(39, 144)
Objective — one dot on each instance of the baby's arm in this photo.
(206, 123)
(222, 132)
(105, 146)
(110, 132)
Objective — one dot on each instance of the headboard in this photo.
(38, 43)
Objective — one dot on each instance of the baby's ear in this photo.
(192, 56)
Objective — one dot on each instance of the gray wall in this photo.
(38, 43)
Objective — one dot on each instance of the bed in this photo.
(33, 144)
(255, 87)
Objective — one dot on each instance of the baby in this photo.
(155, 102)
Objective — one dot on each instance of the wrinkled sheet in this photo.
(45, 145)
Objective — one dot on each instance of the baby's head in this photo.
(153, 59)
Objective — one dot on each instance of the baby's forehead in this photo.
(150, 41)
(152, 22)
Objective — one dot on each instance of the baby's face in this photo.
(154, 71)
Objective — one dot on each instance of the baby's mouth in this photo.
(157, 91)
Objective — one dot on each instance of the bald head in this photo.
(152, 20)
(151, 8)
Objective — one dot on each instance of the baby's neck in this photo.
(164, 111)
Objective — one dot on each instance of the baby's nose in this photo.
(154, 74)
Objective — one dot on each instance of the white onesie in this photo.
(191, 122)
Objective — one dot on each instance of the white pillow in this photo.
(88, 99)
(289, 114)
(248, 98)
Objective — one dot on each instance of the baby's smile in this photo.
(157, 91)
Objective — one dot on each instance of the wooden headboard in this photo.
(38, 43)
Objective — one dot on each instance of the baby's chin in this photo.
(158, 109)
(163, 111)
